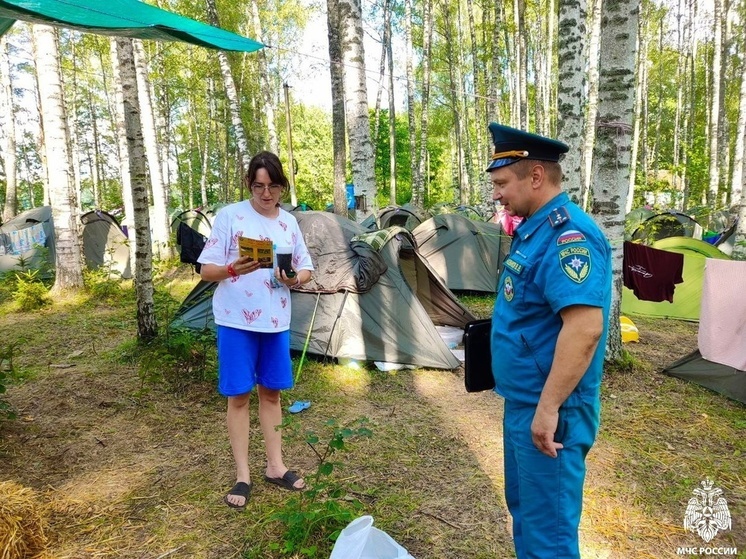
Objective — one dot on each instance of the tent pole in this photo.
(308, 337)
(331, 333)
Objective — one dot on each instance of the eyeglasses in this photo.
(258, 188)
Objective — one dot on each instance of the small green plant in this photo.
(30, 292)
(313, 519)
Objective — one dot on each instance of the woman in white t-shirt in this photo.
(252, 313)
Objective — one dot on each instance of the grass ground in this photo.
(125, 468)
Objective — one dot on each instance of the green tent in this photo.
(467, 254)
(687, 296)
(125, 18)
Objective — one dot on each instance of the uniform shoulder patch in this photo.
(571, 236)
(558, 216)
(575, 262)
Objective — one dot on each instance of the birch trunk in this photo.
(147, 326)
(68, 250)
(336, 70)
(10, 164)
(266, 85)
(159, 217)
(638, 123)
(572, 62)
(590, 119)
(385, 34)
(237, 127)
(356, 92)
(392, 123)
(418, 189)
(124, 160)
(717, 56)
(613, 135)
(413, 167)
(459, 166)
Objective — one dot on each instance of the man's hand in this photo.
(543, 428)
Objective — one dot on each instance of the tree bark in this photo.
(572, 62)
(128, 221)
(356, 92)
(411, 116)
(613, 134)
(418, 189)
(159, 216)
(147, 325)
(717, 65)
(68, 251)
(10, 164)
(339, 144)
(237, 127)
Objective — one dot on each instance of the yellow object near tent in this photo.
(629, 330)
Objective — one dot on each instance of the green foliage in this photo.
(313, 518)
(30, 292)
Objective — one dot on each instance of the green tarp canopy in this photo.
(125, 18)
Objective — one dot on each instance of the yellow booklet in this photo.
(257, 250)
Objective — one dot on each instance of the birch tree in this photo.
(717, 66)
(411, 116)
(10, 165)
(123, 150)
(356, 107)
(237, 127)
(392, 122)
(592, 106)
(571, 34)
(339, 143)
(159, 216)
(614, 128)
(147, 325)
(68, 252)
(418, 187)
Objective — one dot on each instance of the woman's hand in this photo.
(283, 278)
(242, 265)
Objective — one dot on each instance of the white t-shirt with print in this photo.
(253, 301)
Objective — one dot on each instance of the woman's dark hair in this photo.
(271, 163)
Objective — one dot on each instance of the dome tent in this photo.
(467, 254)
(105, 243)
(666, 224)
(24, 238)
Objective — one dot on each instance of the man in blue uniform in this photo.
(548, 339)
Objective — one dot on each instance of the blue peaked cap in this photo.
(512, 145)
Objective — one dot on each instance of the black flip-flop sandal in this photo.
(287, 481)
(241, 489)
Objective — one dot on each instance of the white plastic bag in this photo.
(361, 540)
